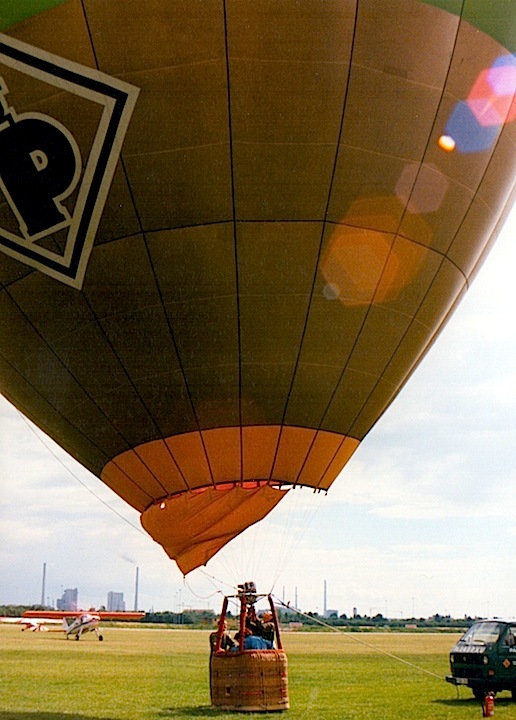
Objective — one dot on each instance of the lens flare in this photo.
(475, 123)
(446, 143)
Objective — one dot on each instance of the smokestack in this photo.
(136, 590)
(325, 599)
(43, 584)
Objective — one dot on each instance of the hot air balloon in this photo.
(231, 229)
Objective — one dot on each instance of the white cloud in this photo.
(27, 535)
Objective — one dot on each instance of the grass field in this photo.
(154, 674)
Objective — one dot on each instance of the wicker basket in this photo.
(250, 681)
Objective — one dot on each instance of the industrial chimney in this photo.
(43, 583)
(136, 590)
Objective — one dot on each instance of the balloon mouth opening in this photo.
(221, 459)
(225, 487)
(192, 526)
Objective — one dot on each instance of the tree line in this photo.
(208, 618)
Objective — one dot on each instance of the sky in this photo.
(422, 520)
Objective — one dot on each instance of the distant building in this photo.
(68, 600)
(115, 602)
(295, 625)
(328, 613)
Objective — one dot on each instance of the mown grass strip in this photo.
(139, 674)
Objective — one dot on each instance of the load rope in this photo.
(46, 445)
(354, 637)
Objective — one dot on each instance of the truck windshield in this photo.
(483, 633)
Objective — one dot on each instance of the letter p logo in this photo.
(40, 165)
(53, 194)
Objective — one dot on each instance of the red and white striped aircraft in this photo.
(74, 623)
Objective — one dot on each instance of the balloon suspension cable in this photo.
(202, 597)
(290, 542)
(352, 636)
(214, 579)
(75, 477)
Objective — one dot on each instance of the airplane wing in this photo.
(121, 615)
(58, 615)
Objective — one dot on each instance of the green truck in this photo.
(484, 659)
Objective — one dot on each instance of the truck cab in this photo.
(484, 659)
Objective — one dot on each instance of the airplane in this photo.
(29, 624)
(75, 623)
(78, 626)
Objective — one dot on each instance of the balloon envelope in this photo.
(231, 231)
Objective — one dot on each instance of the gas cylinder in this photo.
(488, 707)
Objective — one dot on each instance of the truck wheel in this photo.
(479, 694)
